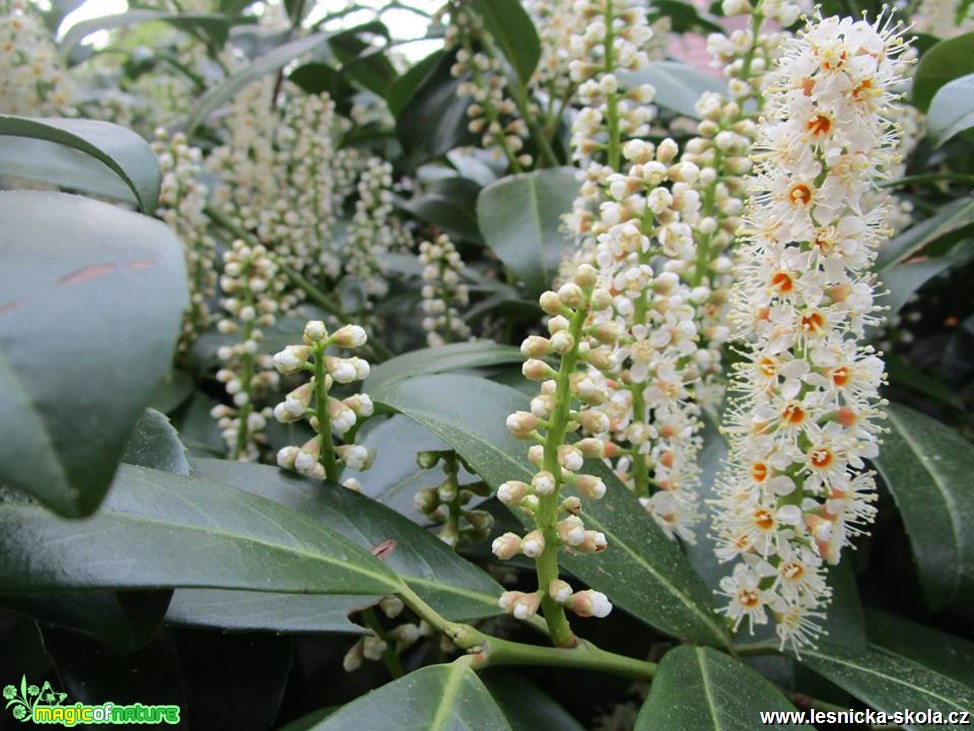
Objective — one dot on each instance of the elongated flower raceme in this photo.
(808, 411)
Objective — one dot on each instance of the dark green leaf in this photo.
(527, 707)
(520, 218)
(904, 279)
(903, 375)
(684, 17)
(264, 611)
(90, 311)
(124, 152)
(928, 468)
(512, 30)
(455, 356)
(448, 204)
(174, 390)
(453, 586)
(944, 62)
(698, 687)
(678, 85)
(155, 444)
(403, 88)
(434, 698)
(215, 27)
(952, 109)
(937, 650)
(265, 64)
(888, 681)
(952, 223)
(317, 77)
(362, 61)
(641, 571)
(157, 529)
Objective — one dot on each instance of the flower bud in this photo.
(559, 590)
(571, 295)
(286, 457)
(537, 370)
(521, 424)
(569, 457)
(544, 483)
(506, 546)
(350, 336)
(593, 542)
(571, 505)
(591, 448)
(532, 545)
(315, 331)
(586, 276)
(535, 346)
(589, 604)
(590, 486)
(551, 303)
(526, 607)
(562, 342)
(571, 530)
(292, 358)
(512, 492)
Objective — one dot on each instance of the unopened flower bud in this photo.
(571, 295)
(535, 346)
(286, 457)
(512, 492)
(391, 606)
(526, 607)
(591, 448)
(559, 590)
(571, 505)
(537, 370)
(571, 530)
(570, 457)
(562, 341)
(522, 423)
(506, 546)
(349, 336)
(590, 486)
(589, 604)
(586, 276)
(551, 303)
(594, 542)
(532, 545)
(292, 358)
(315, 331)
(544, 483)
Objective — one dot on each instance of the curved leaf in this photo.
(928, 468)
(265, 64)
(520, 218)
(642, 571)
(944, 62)
(434, 698)
(90, 312)
(455, 356)
(890, 682)
(215, 26)
(527, 707)
(698, 687)
(512, 30)
(155, 444)
(952, 109)
(450, 584)
(678, 85)
(937, 650)
(124, 152)
(157, 529)
(952, 223)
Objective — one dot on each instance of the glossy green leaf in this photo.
(698, 687)
(952, 109)
(511, 29)
(903, 375)
(91, 304)
(947, 654)
(122, 151)
(402, 89)
(954, 222)
(684, 17)
(157, 529)
(362, 61)
(425, 361)
(434, 698)
(928, 468)
(155, 444)
(904, 279)
(520, 218)
(450, 584)
(265, 64)
(641, 571)
(678, 85)
(215, 27)
(175, 389)
(889, 682)
(527, 707)
(948, 60)
(448, 204)
(229, 610)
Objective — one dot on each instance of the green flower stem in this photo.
(612, 103)
(389, 656)
(326, 457)
(547, 515)
(378, 350)
(487, 651)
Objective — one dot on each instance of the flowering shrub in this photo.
(549, 349)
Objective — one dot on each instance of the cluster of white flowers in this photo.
(33, 80)
(182, 202)
(446, 504)
(944, 18)
(319, 457)
(399, 638)
(493, 114)
(795, 492)
(251, 290)
(442, 292)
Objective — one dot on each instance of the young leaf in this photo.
(520, 218)
(450, 584)
(928, 468)
(944, 62)
(678, 85)
(641, 571)
(952, 109)
(157, 529)
(90, 311)
(888, 681)
(512, 30)
(698, 687)
(455, 356)
(155, 444)
(124, 152)
(433, 698)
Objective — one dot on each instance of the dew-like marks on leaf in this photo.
(88, 273)
(11, 306)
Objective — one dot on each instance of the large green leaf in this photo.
(435, 698)
(641, 571)
(216, 27)
(678, 85)
(698, 687)
(265, 64)
(520, 218)
(453, 586)
(928, 468)
(448, 204)
(512, 30)
(157, 530)
(937, 650)
(455, 356)
(904, 279)
(526, 706)
(122, 151)
(944, 62)
(263, 611)
(890, 682)
(90, 312)
(952, 109)
(952, 223)
(155, 444)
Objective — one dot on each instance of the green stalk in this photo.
(326, 457)
(389, 656)
(612, 103)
